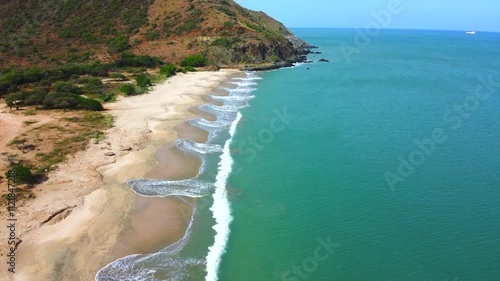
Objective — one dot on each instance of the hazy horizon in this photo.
(479, 15)
(414, 29)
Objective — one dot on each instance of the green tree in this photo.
(194, 61)
(128, 89)
(61, 101)
(66, 87)
(36, 96)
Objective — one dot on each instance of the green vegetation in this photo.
(17, 77)
(221, 42)
(143, 81)
(194, 61)
(128, 89)
(192, 22)
(90, 104)
(168, 69)
(95, 23)
(229, 24)
(22, 174)
(275, 58)
(89, 126)
(66, 84)
(108, 97)
(128, 59)
(119, 44)
(227, 11)
(12, 79)
(71, 101)
(66, 87)
(53, 32)
(253, 26)
(118, 76)
(15, 100)
(152, 35)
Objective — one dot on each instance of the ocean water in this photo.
(383, 164)
(320, 177)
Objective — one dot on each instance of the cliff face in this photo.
(54, 32)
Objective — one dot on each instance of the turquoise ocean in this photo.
(383, 164)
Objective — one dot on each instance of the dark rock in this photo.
(109, 154)
(128, 148)
(270, 67)
(324, 60)
(213, 67)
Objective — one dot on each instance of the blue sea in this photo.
(382, 164)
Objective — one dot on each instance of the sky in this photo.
(478, 15)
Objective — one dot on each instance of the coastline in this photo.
(103, 219)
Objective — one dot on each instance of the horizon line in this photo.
(415, 29)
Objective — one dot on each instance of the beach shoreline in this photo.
(103, 219)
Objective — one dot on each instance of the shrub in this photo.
(61, 101)
(118, 76)
(129, 59)
(66, 87)
(15, 99)
(143, 81)
(168, 69)
(108, 97)
(190, 25)
(190, 68)
(194, 61)
(228, 24)
(118, 44)
(128, 89)
(274, 58)
(22, 174)
(36, 97)
(13, 89)
(152, 35)
(91, 81)
(221, 42)
(90, 104)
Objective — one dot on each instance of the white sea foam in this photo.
(167, 262)
(162, 188)
(221, 208)
(199, 148)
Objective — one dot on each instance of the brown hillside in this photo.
(52, 32)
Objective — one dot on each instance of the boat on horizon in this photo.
(470, 32)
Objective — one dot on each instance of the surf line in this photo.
(221, 208)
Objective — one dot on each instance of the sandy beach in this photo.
(94, 216)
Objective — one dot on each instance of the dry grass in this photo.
(45, 146)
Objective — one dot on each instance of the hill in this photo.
(54, 32)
